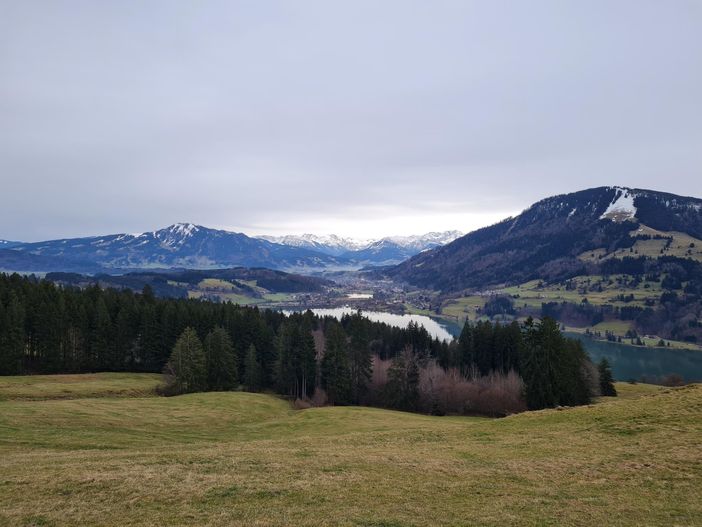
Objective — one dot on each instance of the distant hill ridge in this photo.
(559, 236)
(186, 245)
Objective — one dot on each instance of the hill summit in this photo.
(561, 236)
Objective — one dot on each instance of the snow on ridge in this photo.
(622, 207)
(419, 241)
(313, 240)
(176, 234)
(183, 229)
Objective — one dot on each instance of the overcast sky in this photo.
(363, 118)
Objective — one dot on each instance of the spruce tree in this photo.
(221, 362)
(253, 372)
(402, 389)
(606, 379)
(287, 344)
(150, 338)
(101, 337)
(466, 349)
(360, 357)
(484, 346)
(12, 337)
(185, 370)
(539, 372)
(307, 357)
(296, 366)
(335, 369)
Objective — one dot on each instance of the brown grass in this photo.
(238, 459)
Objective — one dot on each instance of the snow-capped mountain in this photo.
(186, 245)
(182, 245)
(331, 244)
(395, 249)
(388, 250)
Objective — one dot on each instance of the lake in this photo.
(440, 330)
(628, 362)
(634, 362)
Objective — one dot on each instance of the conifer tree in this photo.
(360, 360)
(484, 346)
(150, 338)
(101, 338)
(466, 349)
(539, 372)
(48, 337)
(221, 362)
(185, 370)
(335, 369)
(296, 365)
(253, 372)
(402, 389)
(12, 337)
(606, 379)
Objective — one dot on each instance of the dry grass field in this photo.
(225, 459)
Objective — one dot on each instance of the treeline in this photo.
(202, 345)
(45, 328)
(555, 370)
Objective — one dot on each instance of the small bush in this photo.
(673, 380)
(302, 404)
(448, 392)
(319, 398)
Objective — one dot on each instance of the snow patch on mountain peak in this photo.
(622, 207)
(176, 234)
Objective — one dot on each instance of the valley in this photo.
(610, 264)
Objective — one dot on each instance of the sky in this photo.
(360, 118)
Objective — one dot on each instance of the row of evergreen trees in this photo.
(49, 329)
(556, 371)
(203, 345)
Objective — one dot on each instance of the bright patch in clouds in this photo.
(378, 227)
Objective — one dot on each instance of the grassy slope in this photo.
(248, 459)
(679, 246)
(74, 386)
(532, 294)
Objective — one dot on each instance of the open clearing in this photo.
(250, 459)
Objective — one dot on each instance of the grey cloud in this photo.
(126, 116)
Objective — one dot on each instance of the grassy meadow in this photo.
(534, 293)
(82, 451)
(669, 243)
(226, 291)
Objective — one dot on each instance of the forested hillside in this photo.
(563, 236)
(179, 283)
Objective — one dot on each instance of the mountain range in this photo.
(185, 245)
(384, 251)
(562, 236)
(579, 233)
